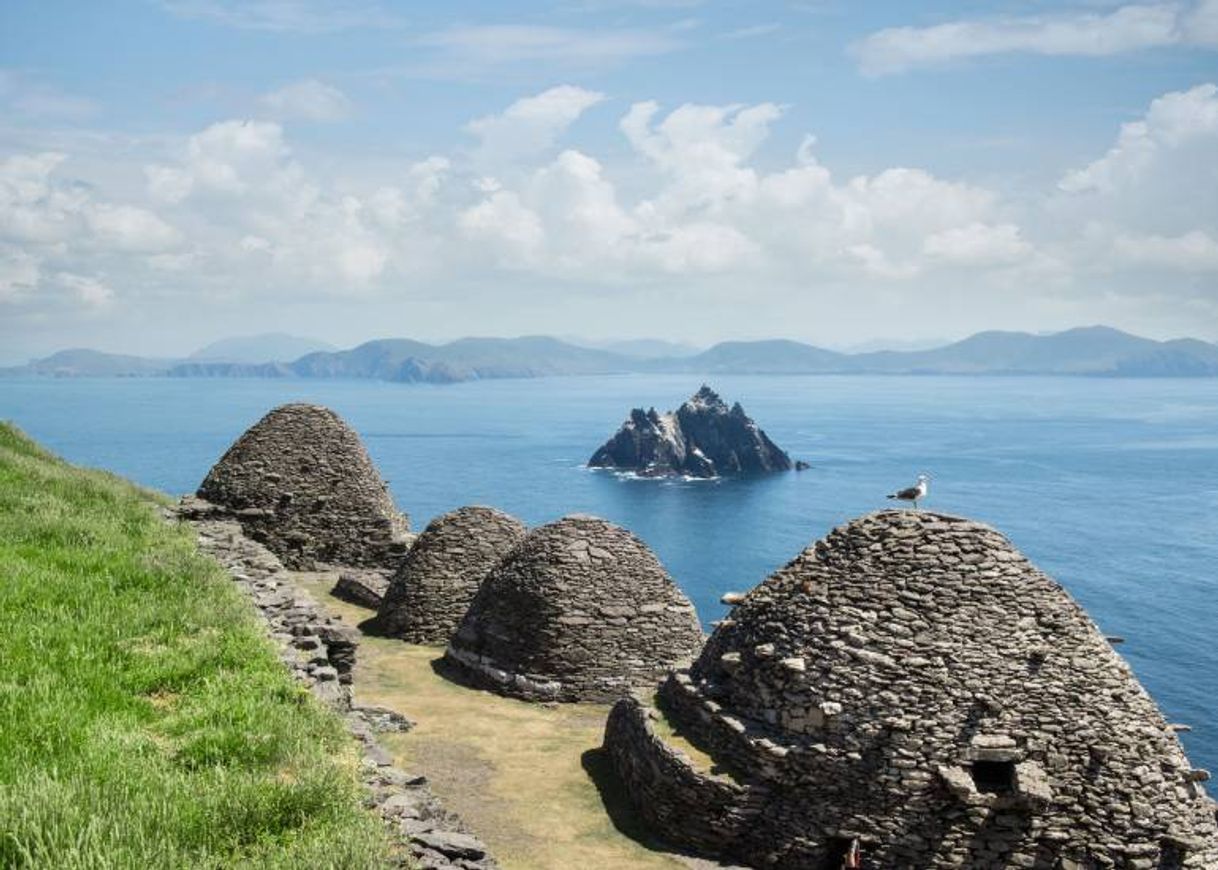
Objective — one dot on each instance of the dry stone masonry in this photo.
(913, 684)
(320, 651)
(301, 482)
(581, 610)
(442, 572)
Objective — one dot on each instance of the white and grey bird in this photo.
(915, 492)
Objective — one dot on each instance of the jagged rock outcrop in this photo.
(442, 573)
(702, 438)
(300, 481)
(913, 684)
(580, 610)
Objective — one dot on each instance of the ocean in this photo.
(1108, 485)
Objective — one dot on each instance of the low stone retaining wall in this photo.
(698, 811)
(320, 651)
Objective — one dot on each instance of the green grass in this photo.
(145, 720)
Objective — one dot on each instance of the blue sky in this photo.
(828, 171)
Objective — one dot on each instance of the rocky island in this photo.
(702, 438)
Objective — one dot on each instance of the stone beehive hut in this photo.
(580, 610)
(442, 572)
(914, 685)
(300, 481)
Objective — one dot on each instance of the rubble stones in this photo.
(365, 588)
(702, 438)
(442, 573)
(580, 610)
(995, 727)
(300, 481)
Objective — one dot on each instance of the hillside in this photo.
(1087, 351)
(1094, 350)
(465, 359)
(82, 362)
(147, 720)
(777, 356)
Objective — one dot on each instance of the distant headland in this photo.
(1094, 351)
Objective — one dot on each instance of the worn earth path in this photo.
(443, 761)
(530, 779)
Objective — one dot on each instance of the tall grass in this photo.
(145, 721)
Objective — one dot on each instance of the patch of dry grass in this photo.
(530, 779)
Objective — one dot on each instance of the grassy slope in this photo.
(145, 721)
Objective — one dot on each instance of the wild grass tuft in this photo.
(145, 720)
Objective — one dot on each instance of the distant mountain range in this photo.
(267, 347)
(1098, 351)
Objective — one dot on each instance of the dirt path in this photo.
(529, 779)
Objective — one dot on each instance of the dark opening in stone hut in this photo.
(581, 610)
(440, 575)
(300, 481)
(914, 686)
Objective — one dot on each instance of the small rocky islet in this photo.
(910, 687)
(703, 438)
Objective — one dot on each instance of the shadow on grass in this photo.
(445, 669)
(617, 804)
(621, 811)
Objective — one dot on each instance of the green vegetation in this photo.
(145, 721)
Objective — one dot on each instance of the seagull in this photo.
(914, 492)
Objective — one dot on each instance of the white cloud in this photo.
(91, 291)
(22, 94)
(753, 31)
(167, 184)
(128, 228)
(709, 211)
(478, 50)
(685, 206)
(1083, 33)
(978, 244)
(1173, 121)
(532, 124)
(1195, 251)
(286, 16)
(507, 223)
(230, 156)
(19, 272)
(307, 100)
(36, 208)
(259, 213)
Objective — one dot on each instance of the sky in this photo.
(842, 173)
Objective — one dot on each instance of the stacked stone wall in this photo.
(695, 809)
(581, 610)
(442, 573)
(320, 651)
(912, 682)
(301, 482)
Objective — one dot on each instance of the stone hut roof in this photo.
(581, 610)
(914, 682)
(440, 575)
(300, 481)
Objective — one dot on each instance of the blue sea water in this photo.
(1110, 486)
